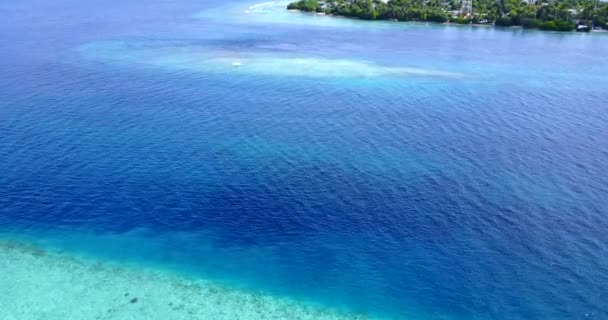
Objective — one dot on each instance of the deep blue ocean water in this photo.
(396, 169)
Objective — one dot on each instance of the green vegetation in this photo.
(557, 15)
(557, 25)
(402, 10)
(460, 20)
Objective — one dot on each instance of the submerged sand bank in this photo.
(39, 284)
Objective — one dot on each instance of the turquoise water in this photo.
(312, 166)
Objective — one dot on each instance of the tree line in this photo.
(560, 15)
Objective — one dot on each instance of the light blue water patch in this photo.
(215, 265)
(47, 282)
(234, 61)
(277, 58)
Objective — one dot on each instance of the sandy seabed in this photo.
(44, 284)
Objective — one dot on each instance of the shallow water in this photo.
(127, 292)
(394, 170)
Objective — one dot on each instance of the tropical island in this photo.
(557, 15)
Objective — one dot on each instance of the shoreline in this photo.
(447, 23)
(53, 284)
